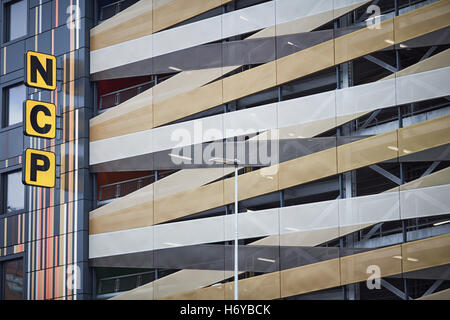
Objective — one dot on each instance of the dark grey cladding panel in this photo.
(82, 96)
(243, 52)
(434, 273)
(45, 22)
(12, 77)
(140, 68)
(35, 3)
(84, 277)
(45, 95)
(84, 187)
(204, 257)
(44, 43)
(441, 153)
(15, 58)
(314, 188)
(342, 31)
(82, 58)
(82, 147)
(132, 260)
(251, 258)
(248, 153)
(138, 163)
(438, 37)
(11, 143)
(196, 58)
(252, 51)
(85, 11)
(341, 140)
(292, 257)
(295, 148)
(293, 43)
(62, 37)
(84, 207)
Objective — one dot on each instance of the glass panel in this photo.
(15, 192)
(16, 96)
(17, 20)
(13, 271)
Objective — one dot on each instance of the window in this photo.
(11, 280)
(14, 192)
(14, 98)
(16, 19)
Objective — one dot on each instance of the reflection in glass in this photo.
(15, 192)
(13, 279)
(15, 97)
(17, 20)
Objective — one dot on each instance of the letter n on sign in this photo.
(40, 70)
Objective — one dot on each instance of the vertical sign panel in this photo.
(39, 168)
(40, 70)
(39, 119)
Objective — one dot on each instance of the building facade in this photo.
(44, 233)
(333, 113)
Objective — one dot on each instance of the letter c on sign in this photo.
(34, 119)
(40, 119)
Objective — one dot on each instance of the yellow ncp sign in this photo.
(40, 70)
(39, 168)
(40, 119)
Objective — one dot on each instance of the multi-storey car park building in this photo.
(353, 204)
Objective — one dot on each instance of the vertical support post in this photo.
(118, 190)
(397, 55)
(281, 198)
(94, 91)
(94, 284)
(236, 291)
(94, 189)
(139, 184)
(402, 180)
(95, 12)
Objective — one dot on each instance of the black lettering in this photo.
(34, 167)
(46, 74)
(33, 119)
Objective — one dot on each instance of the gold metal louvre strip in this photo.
(386, 146)
(392, 260)
(393, 31)
(147, 17)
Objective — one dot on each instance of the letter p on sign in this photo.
(39, 168)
